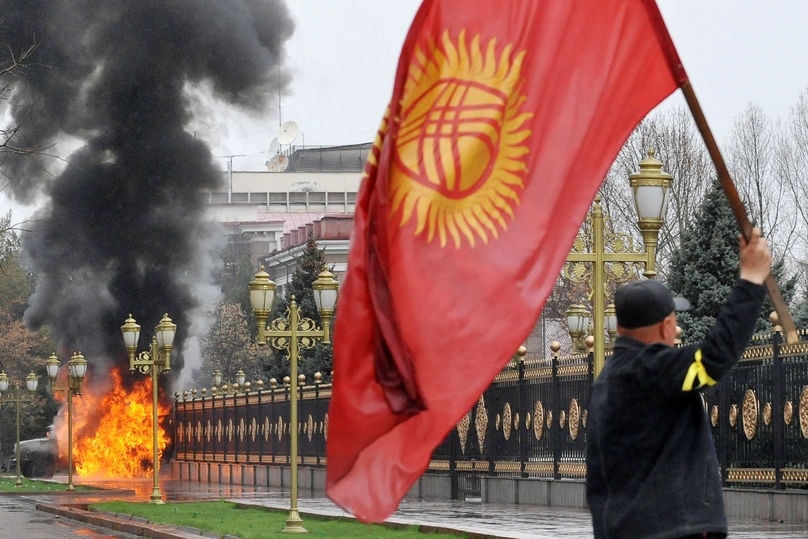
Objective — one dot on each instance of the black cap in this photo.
(644, 303)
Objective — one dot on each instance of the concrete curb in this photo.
(123, 523)
(142, 527)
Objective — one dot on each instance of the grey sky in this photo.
(344, 54)
(343, 57)
(740, 52)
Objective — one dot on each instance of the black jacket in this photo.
(652, 469)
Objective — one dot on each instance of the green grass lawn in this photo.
(7, 484)
(259, 523)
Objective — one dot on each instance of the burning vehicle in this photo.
(125, 228)
(37, 456)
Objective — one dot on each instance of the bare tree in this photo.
(769, 167)
(792, 169)
(228, 347)
(673, 137)
(757, 172)
(12, 64)
(674, 140)
(10, 67)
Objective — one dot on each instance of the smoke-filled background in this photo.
(123, 227)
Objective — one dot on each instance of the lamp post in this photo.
(578, 322)
(18, 396)
(290, 333)
(77, 368)
(240, 381)
(154, 361)
(612, 255)
(611, 322)
(650, 188)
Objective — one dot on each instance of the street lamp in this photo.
(325, 296)
(240, 378)
(154, 361)
(611, 322)
(612, 255)
(18, 396)
(77, 368)
(578, 323)
(650, 188)
(290, 333)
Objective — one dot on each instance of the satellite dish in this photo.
(278, 163)
(274, 146)
(288, 132)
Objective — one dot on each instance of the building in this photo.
(269, 216)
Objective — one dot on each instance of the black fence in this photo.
(250, 427)
(531, 422)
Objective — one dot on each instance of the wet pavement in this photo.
(477, 519)
(513, 521)
(20, 519)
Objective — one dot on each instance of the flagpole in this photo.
(737, 206)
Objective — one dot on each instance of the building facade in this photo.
(269, 216)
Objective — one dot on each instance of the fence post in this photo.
(223, 412)
(248, 410)
(453, 486)
(318, 379)
(194, 423)
(235, 431)
(176, 428)
(723, 427)
(205, 430)
(273, 445)
(522, 433)
(489, 436)
(259, 426)
(778, 404)
(554, 407)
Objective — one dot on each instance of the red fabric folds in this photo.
(504, 119)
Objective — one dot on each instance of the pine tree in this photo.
(309, 266)
(705, 267)
(788, 288)
(319, 358)
(800, 312)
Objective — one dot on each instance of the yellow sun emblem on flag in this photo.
(459, 165)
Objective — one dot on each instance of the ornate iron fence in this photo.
(531, 422)
(759, 416)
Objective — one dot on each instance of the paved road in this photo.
(20, 519)
(517, 521)
(507, 521)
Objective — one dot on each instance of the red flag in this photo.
(504, 119)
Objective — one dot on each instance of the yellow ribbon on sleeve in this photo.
(695, 371)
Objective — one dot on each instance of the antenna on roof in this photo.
(278, 163)
(288, 133)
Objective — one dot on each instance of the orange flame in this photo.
(112, 432)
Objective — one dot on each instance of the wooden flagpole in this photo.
(738, 208)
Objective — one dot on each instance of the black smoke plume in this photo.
(123, 229)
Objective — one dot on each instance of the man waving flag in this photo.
(504, 119)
